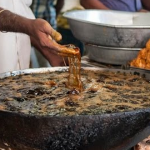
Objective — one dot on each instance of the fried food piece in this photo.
(148, 56)
(68, 50)
(141, 63)
(143, 58)
(74, 59)
(143, 53)
(138, 62)
(147, 66)
(148, 44)
(132, 63)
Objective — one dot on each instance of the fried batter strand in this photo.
(74, 58)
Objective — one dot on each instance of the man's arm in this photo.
(58, 6)
(13, 23)
(146, 4)
(92, 4)
(42, 35)
(40, 29)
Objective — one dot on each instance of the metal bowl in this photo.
(111, 55)
(110, 28)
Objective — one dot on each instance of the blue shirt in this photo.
(123, 5)
(45, 9)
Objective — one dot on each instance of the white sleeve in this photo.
(20, 7)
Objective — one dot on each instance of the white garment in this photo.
(15, 47)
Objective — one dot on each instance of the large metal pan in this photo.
(116, 131)
(110, 28)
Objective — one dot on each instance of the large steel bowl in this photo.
(111, 55)
(110, 28)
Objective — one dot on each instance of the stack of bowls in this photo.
(113, 37)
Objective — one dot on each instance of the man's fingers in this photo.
(50, 37)
(56, 35)
(53, 45)
(53, 33)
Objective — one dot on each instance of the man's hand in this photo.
(44, 34)
(50, 54)
(43, 38)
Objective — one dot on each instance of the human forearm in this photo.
(59, 5)
(92, 4)
(146, 4)
(14, 23)
(39, 29)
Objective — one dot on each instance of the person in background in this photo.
(19, 29)
(122, 5)
(146, 4)
(47, 10)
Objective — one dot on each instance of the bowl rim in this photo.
(70, 17)
(112, 48)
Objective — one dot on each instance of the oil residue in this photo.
(103, 92)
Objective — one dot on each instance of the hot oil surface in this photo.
(47, 93)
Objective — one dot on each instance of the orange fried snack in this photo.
(142, 53)
(68, 50)
(143, 58)
(148, 44)
(147, 66)
(148, 56)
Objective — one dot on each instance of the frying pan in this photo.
(115, 131)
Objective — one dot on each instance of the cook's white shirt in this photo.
(15, 47)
